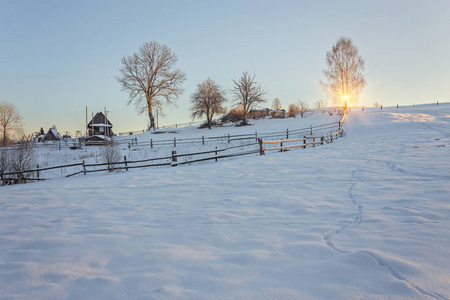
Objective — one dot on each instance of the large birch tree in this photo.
(344, 78)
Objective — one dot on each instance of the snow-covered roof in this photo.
(55, 132)
(99, 120)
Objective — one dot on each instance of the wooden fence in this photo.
(172, 160)
(133, 143)
(308, 140)
(178, 125)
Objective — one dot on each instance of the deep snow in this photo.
(367, 216)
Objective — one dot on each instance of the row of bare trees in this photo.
(151, 79)
(209, 98)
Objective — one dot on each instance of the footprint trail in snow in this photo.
(328, 238)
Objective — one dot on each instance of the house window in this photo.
(101, 129)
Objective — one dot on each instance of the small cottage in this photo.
(52, 135)
(100, 125)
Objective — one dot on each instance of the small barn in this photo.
(100, 125)
(52, 135)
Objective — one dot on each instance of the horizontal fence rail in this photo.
(306, 141)
(254, 144)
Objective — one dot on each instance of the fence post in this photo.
(261, 150)
(281, 146)
(174, 158)
(437, 103)
(59, 145)
(129, 146)
(322, 138)
(287, 134)
(216, 153)
(38, 172)
(381, 107)
(84, 168)
(397, 105)
(256, 135)
(125, 160)
(310, 133)
(174, 142)
(151, 143)
(203, 139)
(304, 141)
(331, 136)
(314, 141)
(228, 138)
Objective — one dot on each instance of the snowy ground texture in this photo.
(366, 217)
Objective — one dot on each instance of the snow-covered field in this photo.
(189, 140)
(366, 217)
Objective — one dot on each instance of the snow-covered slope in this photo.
(365, 217)
(189, 140)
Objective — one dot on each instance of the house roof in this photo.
(52, 134)
(99, 120)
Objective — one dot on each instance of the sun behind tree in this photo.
(344, 73)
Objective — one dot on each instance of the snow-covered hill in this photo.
(365, 217)
(189, 141)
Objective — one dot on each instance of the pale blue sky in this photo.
(57, 57)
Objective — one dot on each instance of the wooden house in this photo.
(52, 135)
(100, 125)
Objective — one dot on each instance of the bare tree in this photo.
(276, 104)
(344, 74)
(321, 103)
(304, 107)
(150, 78)
(208, 100)
(10, 120)
(110, 154)
(293, 110)
(17, 161)
(247, 93)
